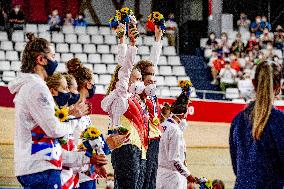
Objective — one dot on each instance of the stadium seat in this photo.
(104, 79)
(143, 50)
(43, 27)
(80, 29)
(94, 58)
(148, 40)
(174, 60)
(12, 55)
(175, 91)
(71, 38)
(232, 93)
(8, 76)
(278, 53)
(110, 39)
(82, 57)
(165, 42)
(68, 29)
(203, 42)
(100, 68)
(6, 45)
(90, 66)
(239, 100)
(108, 58)
(97, 39)
(193, 93)
(57, 56)
(31, 28)
(103, 49)
(96, 78)
(165, 70)
(91, 30)
(61, 67)
(89, 48)
(114, 49)
(165, 92)
(45, 35)
(170, 50)
(232, 35)
(179, 70)
(75, 48)
(163, 60)
(171, 80)
(66, 56)
(2, 55)
(3, 36)
(62, 47)
(160, 80)
(137, 58)
(111, 68)
(104, 30)
(20, 46)
(5, 66)
(139, 41)
(100, 89)
(57, 37)
(18, 36)
(83, 39)
(183, 78)
(145, 57)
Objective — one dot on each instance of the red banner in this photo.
(199, 110)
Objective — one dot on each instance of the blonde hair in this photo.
(114, 79)
(54, 81)
(267, 78)
(69, 78)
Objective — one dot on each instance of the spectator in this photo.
(279, 38)
(110, 181)
(141, 24)
(245, 86)
(54, 21)
(80, 20)
(234, 62)
(238, 46)
(218, 64)
(17, 18)
(3, 19)
(68, 20)
(265, 23)
(268, 52)
(224, 45)
(256, 26)
(243, 23)
(265, 38)
(171, 29)
(253, 43)
(218, 184)
(227, 77)
(211, 42)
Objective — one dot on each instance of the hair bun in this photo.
(31, 36)
(73, 65)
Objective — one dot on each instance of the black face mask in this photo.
(73, 99)
(50, 67)
(62, 98)
(92, 91)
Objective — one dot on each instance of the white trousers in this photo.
(168, 179)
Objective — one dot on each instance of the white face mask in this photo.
(183, 124)
(150, 90)
(110, 184)
(137, 87)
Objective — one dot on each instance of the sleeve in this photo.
(41, 106)
(155, 53)
(233, 150)
(175, 151)
(74, 159)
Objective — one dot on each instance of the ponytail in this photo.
(267, 78)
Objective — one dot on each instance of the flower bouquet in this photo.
(62, 115)
(204, 183)
(185, 85)
(155, 18)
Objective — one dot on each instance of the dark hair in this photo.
(219, 183)
(34, 48)
(81, 73)
(166, 107)
(142, 66)
(181, 103)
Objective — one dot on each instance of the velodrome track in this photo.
(207, 149)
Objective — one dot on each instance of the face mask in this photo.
(137, 87)
(150, 90)
(50, 67)
(92, 91)
(17, 9)
(73, 99)
(258, 20)
(264, 20)
(110, 184)
(183, 124)
(62, 98)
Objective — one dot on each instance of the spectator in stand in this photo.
(243, 23)
(68, 20)
(245, 86)
(214, 56)
(3, 19)
(224, 45)
(140, 24)
(234, 62)
(265, 38)
(218, 64)
(279, 38)
(110, 181)
(238, 46)
(256, 26)
(268, 52)
(227, 77)
(17, 18)
(260, 57)
(171, 29)
(211, 42)
(265, 23)
(253, 43)
(54, 21)
(80, 21)
(218, 184)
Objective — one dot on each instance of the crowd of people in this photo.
(233, 63)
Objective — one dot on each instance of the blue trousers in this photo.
(49, 179)
(88, 185)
